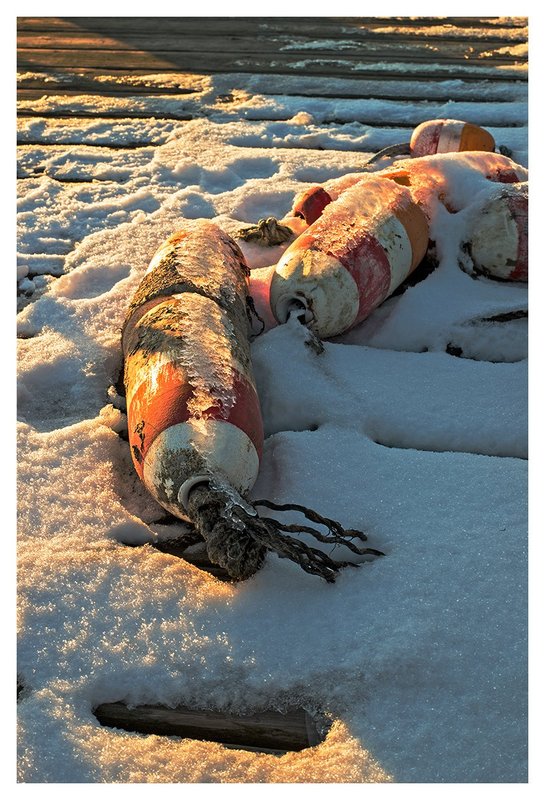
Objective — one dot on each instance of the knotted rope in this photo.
(237, 538)
(267, 232)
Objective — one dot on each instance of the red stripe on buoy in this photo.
(425, 139)
(369, 265)
(504, 175)
(153, 411)
(367, 262)
(518, 206)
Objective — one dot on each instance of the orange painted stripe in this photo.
(415, 223)
(518, 207)
(152, 411)
(475, 138)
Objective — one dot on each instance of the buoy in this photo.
(451, 179)
(498, 233)
(192, 406)
(449, 136)
(351, 258)
(310, 203)
(194, 420)
(427, 178)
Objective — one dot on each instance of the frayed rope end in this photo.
(237, 538)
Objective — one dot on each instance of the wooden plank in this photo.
(403, 48)
(123, 81)
(269, 730)
(27, 95)
(209, 62)
(167, 40)
(220, 26)
(92, 92)
(114, 113)
(411, 118)
(135, 144)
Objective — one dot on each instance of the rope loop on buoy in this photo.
(402, 149)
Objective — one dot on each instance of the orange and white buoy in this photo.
(351, 258)
(449, 136)
(193, 410)
(498, 233)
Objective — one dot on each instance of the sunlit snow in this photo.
(419, 658)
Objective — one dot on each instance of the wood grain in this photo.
(269, 730)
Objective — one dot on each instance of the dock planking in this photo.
(85, 49)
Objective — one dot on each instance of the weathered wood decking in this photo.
(86, 49)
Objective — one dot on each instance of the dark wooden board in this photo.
(269, 730)
(93, 90)
(27, 94)
(112, 114)
(252, 59)
(220, 26)
(382, 87)
(259, 43)
(411, 118)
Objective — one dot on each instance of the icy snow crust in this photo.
(419, 657)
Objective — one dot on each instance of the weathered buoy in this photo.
(351, 258)
(194, 420)
(498, 234)
(451, 179)
(193, 410)
(449, 136)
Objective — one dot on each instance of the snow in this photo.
(419, 658)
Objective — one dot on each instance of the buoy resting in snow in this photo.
(449, 136)
(498, 233)
(192, 404)
(435, 136)
(351, 258)
(441, 136)
(194, 420)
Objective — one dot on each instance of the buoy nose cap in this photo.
(322, 284)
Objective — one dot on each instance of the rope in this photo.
(402, 149)
(237, 539)
(268, 232)
(251, 312)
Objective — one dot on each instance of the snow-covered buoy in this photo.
(449, 136)
(498, 233)
(194, 420)
(192, 405)
(351, 258)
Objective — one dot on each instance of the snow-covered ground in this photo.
(418, 658)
